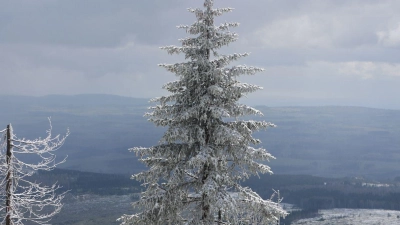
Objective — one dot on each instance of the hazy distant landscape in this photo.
(327, 141)
(327, 157)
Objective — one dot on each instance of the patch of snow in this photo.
(353, 216)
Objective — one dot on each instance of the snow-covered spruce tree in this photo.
(23, 200)
(195, 172)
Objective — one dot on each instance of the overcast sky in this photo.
(325, 52)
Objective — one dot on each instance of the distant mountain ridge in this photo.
(332, 141)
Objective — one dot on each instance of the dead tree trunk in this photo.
(9, 177)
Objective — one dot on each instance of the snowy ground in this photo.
(353, 217)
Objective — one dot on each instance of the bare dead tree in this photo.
(24, 199)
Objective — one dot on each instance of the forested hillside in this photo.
(107, 195)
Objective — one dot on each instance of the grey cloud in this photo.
(91, 23)
(105, 46)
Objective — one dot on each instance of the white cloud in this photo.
(300, 32)
(391, 37)
(365, 70)
(331, 25)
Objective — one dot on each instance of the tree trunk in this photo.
(205, 206)
(9, 177)
(206, 168)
